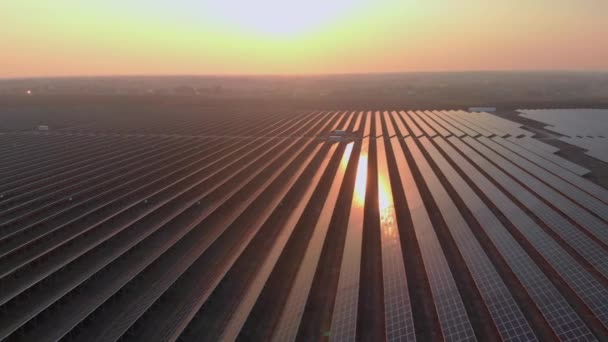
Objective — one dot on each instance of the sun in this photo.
(279, 18)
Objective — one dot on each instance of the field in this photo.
(255, 223)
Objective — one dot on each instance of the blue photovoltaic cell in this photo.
(564, 321)
(509, 320)
(453, 319)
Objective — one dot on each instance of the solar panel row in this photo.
(452, 314)
(587, 288)
(397, 309)
(344, 319)
(545, 296)
(505, 313)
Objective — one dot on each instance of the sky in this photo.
(216, 37)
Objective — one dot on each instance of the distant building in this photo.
(336, 138)
(340, 135)
(482, 109)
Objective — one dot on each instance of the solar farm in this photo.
(367, 225)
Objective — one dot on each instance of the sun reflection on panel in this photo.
(385, 197)
(346, 157)
(361, 181)
(387, 208)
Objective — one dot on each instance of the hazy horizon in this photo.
(311, 75)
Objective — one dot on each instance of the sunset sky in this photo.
(119, 37)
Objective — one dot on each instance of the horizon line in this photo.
(307, 75)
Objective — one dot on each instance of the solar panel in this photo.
(389, 125)
(368, 124)
(534, 145)
(548, 156)
(505, 313)
(423, 125)
(589, 202)
(453, 319)
(246, 302)
(512, 128)
(378, 118)
(587, 288)
(344, 317)
(584, 184)
(53, 293)
(287, 327)
(43, 268)
(434, 125)
(544, 212)
(18, 209)
(441, 120)
(202, 281)
(350, 116)
(399, 322)
(457, 116)
(53, 238)
(340, 116)
(410, 124)
(563, 320)
(444, 115)
(360, 116)
(403, 132)
(485, 121)
(571, 122)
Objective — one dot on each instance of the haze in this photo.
(70, 38)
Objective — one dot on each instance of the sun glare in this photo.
(385, 197)
(279, 17)
(361, 181)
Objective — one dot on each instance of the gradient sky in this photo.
(117, 37)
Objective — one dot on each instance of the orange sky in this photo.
(115, 37)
